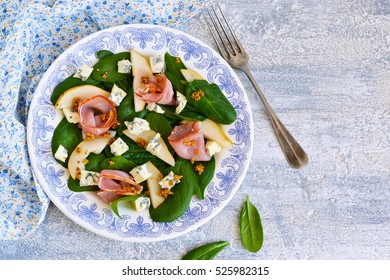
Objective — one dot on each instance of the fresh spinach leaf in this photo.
(173, 65)
(135, 153)
(251, 229)
(103, 54)
(188, 114)
(74, 185)
(205, 177)
(127, 198)
(69, 83)
(176, 204)
(94, 161)
(160, 124)
(68, 135)
(211, 102)
(177, 83)
(206, 252)
(106, 69)
(117, 163)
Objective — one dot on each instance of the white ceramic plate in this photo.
(86, 208)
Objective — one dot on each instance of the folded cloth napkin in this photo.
(32, 35)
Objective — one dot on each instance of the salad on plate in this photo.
(140, 130)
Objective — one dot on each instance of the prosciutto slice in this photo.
(188, 141)
(118, 182)
(156, 89)
(108, 196)
(97, 114)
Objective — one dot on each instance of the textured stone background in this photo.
(325, 68)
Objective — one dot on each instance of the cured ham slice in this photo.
(108, 196)
(156, 89)
(97, 114)
(188, 141)
(118, 182)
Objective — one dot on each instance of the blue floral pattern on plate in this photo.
(86, 208)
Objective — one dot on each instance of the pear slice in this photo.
(82, 92)
(81, 152)
(191, 75)
(148, 135)
(153, 185)
(140, 68)
(213, 131)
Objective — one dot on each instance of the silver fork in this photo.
(232, 51)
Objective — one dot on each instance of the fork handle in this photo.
(293, 152)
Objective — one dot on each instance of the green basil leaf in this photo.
(94, 161)
(176, 204)
(206, 252)
(74, 185)
(117, 163)
(127, 198)
(68, 135)
(214, 104)
(251, 229)
(106, 69)
(69, 83)
(205, 178)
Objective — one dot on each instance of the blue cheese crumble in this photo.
(88, 178)
(141, 204)
(119, 147)
(170, 180)
(212, 147)
(154, 145)
(155, 108)
(124, 66)
(117, 95)
(140, 173)
(61, 153)
(83, 72)
(137, 126)
(157, 63)
(181, 102)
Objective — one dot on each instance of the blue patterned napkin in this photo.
(32, 35)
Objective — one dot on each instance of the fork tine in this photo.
(225, 30)
(236, 41)
(216, 35)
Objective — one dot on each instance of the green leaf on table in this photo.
(206, 252)
(211, 103)
(251, 229)
(68, 135)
